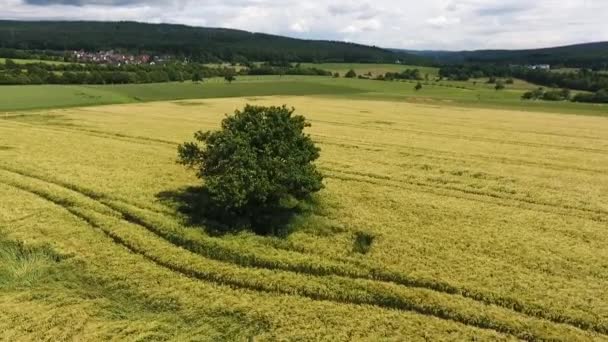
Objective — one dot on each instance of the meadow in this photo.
(374, 69)
(474, 93)
(448, 214)
(28, 61)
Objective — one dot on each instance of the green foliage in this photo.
(579, 55)
(257, 167)
(229, 78)
(583, 79)
(197, 43)
(557, 95)
(41, 73)
(407, 74)
(535, 94)
(286, 69)
(351, 74)
(371, 69)
(22, 265)
(552, 95)
(601, 96)
(10, 65)
(363, 242)
(197, 77)
(500, 85)
(418, 86)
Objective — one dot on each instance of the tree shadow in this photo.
(198, 208)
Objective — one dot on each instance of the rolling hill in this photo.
(579, 55)
(201, 43)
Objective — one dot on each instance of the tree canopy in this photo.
(257, 168)
(196, 43)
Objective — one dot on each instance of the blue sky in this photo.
(426, 24)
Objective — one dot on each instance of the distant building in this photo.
(111, 57)
(539, 67)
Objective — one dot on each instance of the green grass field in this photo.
(465, 94)
(375, 69)
(28, 61)
(487, 215)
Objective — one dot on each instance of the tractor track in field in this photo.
(373, 147)
(386, 302)
(450, 156)
(213, 277)
(471, 138)
(375, 275)
(467, 124)
(96, 133)
(472, 195)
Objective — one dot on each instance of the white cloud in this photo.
(362, 26)
(430, 24)
(442, 21)
(299, 26)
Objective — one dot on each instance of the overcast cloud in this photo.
(427, 24)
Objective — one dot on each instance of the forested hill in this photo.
(580, 55)
(203, 44)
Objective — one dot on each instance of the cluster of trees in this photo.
(350, 74)
(204, 45)
(285, 69)
(589, 55)
(550, 95)
(46, 55)
(465, 72)
(45, 73)
(583, 79)
(600, 96)
(407, 74)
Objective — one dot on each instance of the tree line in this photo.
(283, 68)
(12, 73)
(583, 79)
(407, 74)
(198, 44)
(588, 55)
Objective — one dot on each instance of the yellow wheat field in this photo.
(486, 225)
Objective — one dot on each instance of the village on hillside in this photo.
(117, 58)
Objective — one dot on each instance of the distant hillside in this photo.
(203, 44)
(580, 55)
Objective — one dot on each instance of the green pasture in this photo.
(374, 69)
(28, 61)
(476, 94)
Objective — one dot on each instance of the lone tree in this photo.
(499, 85)
(418, 86)
(351, 74)
(258, 169)
(197, 77)
(229, 75)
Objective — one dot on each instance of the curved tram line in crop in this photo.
(336, 281)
